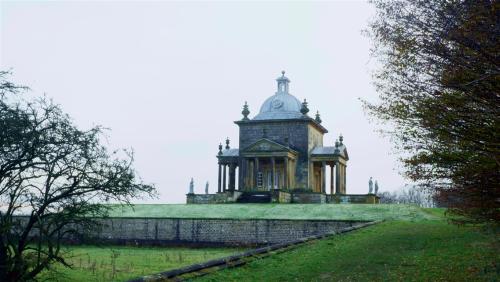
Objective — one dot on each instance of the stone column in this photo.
(219, 182)
(331, 180)
(224, 179)
(273, 173)
(345, 179)
(251, 177)
(256, 171)
(337, 177)
(232, 178)
(323, 177)
(285, 171)
(242, 174)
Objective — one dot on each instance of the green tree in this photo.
(439, 90)
(58, 176)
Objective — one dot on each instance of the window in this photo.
(259, 179)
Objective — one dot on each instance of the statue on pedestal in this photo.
(206, 188)
(370, 186)
(376, 187)
(191, 186)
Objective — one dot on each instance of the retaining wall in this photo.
(213, 231)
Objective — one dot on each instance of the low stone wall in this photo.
(308, 198)
(279, 196)
(219, 198)
(354, 199)
(213, 231)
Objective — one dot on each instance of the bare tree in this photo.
(59, 176)
(409, 194)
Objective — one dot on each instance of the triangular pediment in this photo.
(266, 145)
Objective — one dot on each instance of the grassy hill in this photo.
(412, 244)
(395, 250)
(278, 211)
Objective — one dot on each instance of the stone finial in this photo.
(220, 149)
(341, 139)
(206, 188)
(304, 110)
(245, 111)
(227, 143)
(282, 73)
(317, 119)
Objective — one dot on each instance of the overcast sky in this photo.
(169, 78)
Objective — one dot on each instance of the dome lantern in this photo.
(283, 82)
(282, 105)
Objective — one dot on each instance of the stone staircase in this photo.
(255, 197)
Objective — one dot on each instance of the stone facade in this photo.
(294, 134)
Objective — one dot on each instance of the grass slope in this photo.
(277, 211)
(421, 250)
(121, 263)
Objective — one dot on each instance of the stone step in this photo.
(261, 197)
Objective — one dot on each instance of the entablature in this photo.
(268, 148)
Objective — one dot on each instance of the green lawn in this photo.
(420, 250)
(412, 244)
(120, 263)
(277, 211)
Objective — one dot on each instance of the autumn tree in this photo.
(438, 85)
(55, 179)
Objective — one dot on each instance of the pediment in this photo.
(266, 145)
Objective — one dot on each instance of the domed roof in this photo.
(282, 105)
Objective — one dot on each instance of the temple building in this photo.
(281, 157)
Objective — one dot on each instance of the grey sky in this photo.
(169, 78)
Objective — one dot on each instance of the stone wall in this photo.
(308, 198)
(353, 199)
(218, 198)
(213, 231)
(279, 196)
